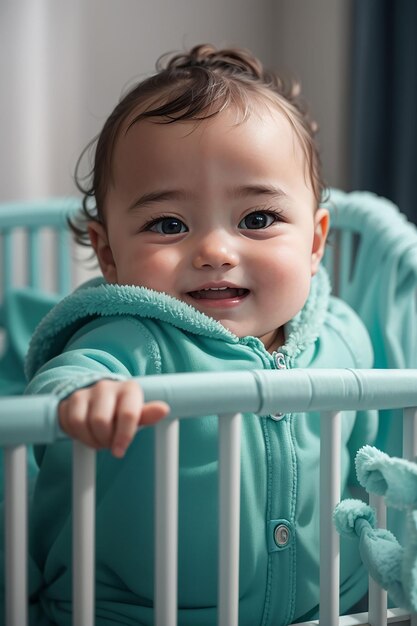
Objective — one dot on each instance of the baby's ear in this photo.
(101, 246)
(321, 229)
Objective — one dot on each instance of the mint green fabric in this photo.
(20, 313)
(392, 565)
(382, 288)
(117, 332)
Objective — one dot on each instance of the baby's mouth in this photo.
(219, 293)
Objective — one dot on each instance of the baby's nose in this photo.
(215, 252)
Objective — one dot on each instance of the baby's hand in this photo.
(107, 414)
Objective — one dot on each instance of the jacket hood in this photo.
(96, 298)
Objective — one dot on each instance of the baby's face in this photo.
(217, 214)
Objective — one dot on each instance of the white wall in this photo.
(65, 64)
(312, 42)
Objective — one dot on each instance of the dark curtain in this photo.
(384, 111)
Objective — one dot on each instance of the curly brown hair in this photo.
(194, 85)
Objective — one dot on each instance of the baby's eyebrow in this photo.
(158, 196)
(241, 191)
(257, 190)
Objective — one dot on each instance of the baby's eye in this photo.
(257, 220)
(167, 226)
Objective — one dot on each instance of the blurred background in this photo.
(64, 66)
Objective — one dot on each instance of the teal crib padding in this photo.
(37, 213)
(20, 313)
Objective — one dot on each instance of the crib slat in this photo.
(410, 433)
(83, 514)
(330, 260)
(16, 541)
(377, 595)
(229, 523)
(330, 450)
(34, 258)
(64, 261)
(346, 251)
(410, 452)
(7, 250)
(166, 521)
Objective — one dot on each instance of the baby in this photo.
(204, 214)
(219, 210)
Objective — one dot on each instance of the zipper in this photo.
(280, 364)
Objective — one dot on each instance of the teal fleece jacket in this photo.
(111, 331)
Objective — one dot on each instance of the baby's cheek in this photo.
(286, 268)
(154, 270)
(287, 281)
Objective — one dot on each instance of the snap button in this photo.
(279, 359)
(281, 535)
(277, 417)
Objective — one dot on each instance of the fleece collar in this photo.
(305, 327)
(96, 298)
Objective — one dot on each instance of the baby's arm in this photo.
(100, 404)
(108, 414)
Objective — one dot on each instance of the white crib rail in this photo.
(377, 595)
(229, 506)
(327, 391)
(410, 451)
(330, 447)
(16, 536)
(166, 508)
(83, 533)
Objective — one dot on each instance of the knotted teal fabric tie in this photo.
(391, 565)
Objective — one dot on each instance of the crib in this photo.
(27, 421)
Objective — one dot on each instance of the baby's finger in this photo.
(128, 411)
(102, 408)
(153, 412)
(73, 414)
